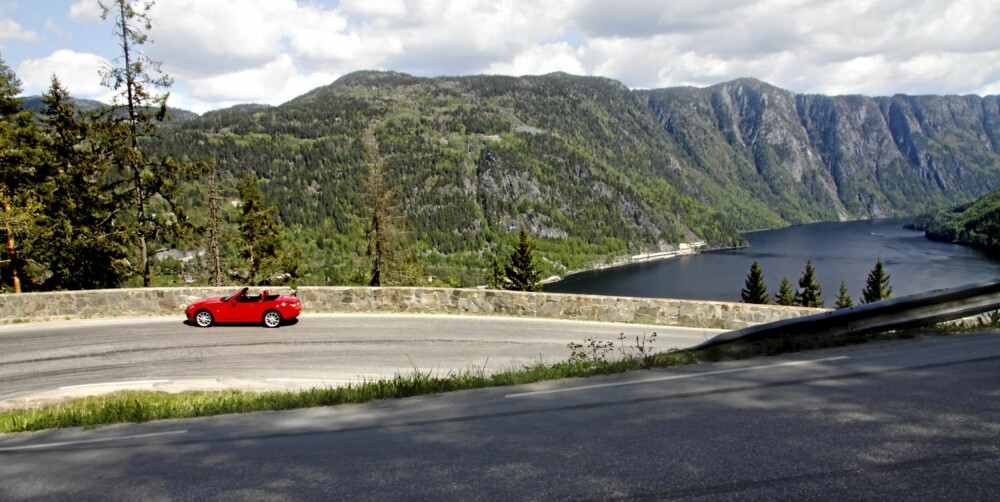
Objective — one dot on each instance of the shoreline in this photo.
(686, 250)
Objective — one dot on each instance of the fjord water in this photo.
(839, 251)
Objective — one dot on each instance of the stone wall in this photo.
(171, 301)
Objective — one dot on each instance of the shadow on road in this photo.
(289, 322)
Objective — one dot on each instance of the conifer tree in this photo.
(843, 299)
(522, 272)
(877, 287)
(785, 295)
(18, 201)
(497, 276)
(383, 234)
(811, 293)
(257, 224)
(137, 80)
(754, 290)
(79, 240)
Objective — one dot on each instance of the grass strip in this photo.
(143, 406)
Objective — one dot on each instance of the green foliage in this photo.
(811, 292)
(268, 261)
(78, 240)
(844, 299)
(976, 224)
(754, 289)
(20, 203)
(785, 295)
(61, 209)
(497, 278)
(521, 271)
(877, 286)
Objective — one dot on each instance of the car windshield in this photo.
(230, 297)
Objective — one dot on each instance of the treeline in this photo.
(810, 291)
(86, 204)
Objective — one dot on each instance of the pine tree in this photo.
(877, 287)
(522, 272)
(811, 293)
(785, 295)
(754, 290)
(18, 146)
(843, 299)
(79, 240)
(497, 277)
(136, 79)
(257, 224)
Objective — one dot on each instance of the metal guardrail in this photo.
(905, 312)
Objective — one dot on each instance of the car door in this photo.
(235, 310)
(249, 309)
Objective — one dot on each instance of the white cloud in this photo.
(198, 39)
(11, 30)
(859, 46)
(368, 8)
(541, 59)
(222, 51)
(77, 71)
(85, 10)
(274, 83)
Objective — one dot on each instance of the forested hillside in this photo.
(593, 169)
(976, 224)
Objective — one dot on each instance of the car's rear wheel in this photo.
(272, 319)
(203, 318)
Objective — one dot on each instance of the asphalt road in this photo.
(912, 420)
(73, 358)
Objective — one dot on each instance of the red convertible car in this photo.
(243, 308)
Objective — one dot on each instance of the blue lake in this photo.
(839, 251)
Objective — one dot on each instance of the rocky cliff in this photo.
(820, 157)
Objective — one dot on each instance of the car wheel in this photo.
(272, 319)
(203, 318)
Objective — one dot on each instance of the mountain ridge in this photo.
(592, 168)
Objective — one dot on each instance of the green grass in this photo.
(143, 406)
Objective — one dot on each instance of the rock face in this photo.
(819, 157)
(172, 301)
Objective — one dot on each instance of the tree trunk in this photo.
(213, 209)
(134, 137)
(12, 250)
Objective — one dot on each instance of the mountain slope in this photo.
(592, 168)
(817, 157)
(35, 104)
(976, 224)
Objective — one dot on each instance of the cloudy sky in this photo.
(224, 52)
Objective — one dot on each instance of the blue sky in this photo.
(225, 52)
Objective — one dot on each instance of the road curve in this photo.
(73, 358)
(911, 420)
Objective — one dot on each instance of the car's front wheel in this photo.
(203, 318)
(272, 319)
